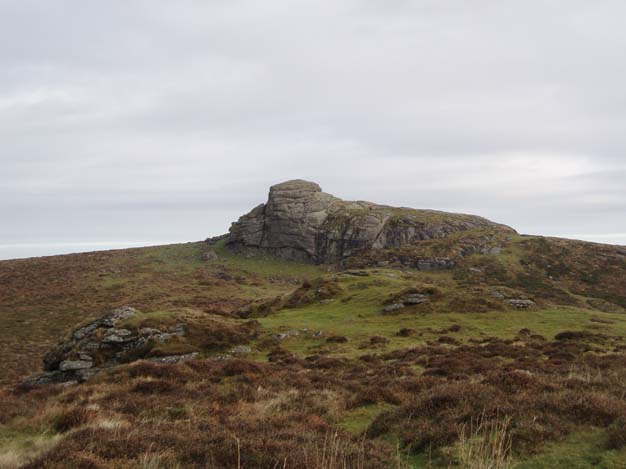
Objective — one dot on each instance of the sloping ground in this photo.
(515, 355)
(42, 299)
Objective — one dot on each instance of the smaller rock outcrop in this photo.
(100, 344)
(513, 298)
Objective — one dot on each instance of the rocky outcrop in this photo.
(300, 222)
(101, 344)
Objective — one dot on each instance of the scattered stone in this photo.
(169, 359)
(415, 299)
(393, 307)
(241, 349)
(286, 335)
(222, 357)
(520, 303)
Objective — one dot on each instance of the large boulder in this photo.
(300, 222)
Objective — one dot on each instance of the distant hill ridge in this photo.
(300, 222)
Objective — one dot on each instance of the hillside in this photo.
(471, 345)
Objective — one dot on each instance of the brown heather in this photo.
(446, 383)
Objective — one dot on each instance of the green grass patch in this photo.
(264, 265)
(357, 420)
(18, 447)
(357, 314)
(580, 450)
(186, 256)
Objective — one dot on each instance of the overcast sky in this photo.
(136, 122)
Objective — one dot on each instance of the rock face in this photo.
(289, 225)
(100, 344)
(300, 222)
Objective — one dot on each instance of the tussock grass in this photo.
(23, 449)
(485, 444)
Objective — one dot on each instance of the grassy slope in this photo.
(360, 318)
(169, 279)
(356, 314)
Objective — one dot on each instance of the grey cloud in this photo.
(173, 118)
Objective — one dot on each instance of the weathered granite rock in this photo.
(393, 307)
(521, 303)
(73, 365)
(415, 299)
(100, 344)
(405, 301)
(170, 359)
(300, 222)
(48, 377)
(286, 335)
(117, 336)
